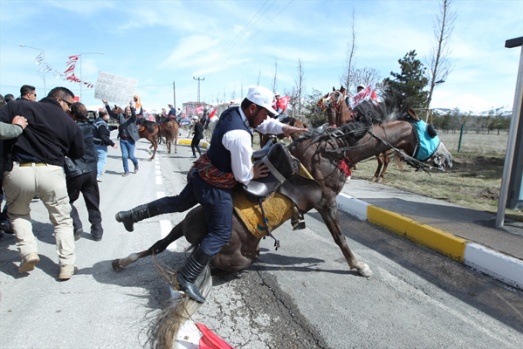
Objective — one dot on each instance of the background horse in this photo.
(336, 108)
(148, 130)
(338, 114)
(170, 131)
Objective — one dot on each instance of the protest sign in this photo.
(113, 88)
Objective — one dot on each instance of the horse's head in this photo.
(397, 126)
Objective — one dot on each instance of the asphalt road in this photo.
(301, 296)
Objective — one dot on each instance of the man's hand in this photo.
(104, 101)
(259, 170)
(288, 130)
(20, 121)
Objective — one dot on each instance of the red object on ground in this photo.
(210, 340)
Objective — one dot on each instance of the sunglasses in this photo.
(68, 103)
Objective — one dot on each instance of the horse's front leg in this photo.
(330, 217)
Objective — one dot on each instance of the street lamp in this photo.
(43, 59)
(80, 58)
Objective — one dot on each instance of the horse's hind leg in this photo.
(386, 161)
(155, 146)
(158, 247)
(379, 158)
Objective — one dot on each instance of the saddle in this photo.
(284, 177)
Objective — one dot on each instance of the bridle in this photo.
(337, 135)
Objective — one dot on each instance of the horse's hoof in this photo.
(364, 270)
(116, 265)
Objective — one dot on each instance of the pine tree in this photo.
(411, 81)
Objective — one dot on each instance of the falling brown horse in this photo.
(327, 154)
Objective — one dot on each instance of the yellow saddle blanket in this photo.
(277, 207)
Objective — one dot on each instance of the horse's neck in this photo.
(398, 134)
(343, 114)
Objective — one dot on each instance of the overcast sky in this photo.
(234, 44)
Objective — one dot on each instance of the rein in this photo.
(411, 161)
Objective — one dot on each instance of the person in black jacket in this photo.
(81, 177)
(102, 139)
(198, 135)
(34, 165)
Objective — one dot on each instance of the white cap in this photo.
(262, 97)
(195, 118)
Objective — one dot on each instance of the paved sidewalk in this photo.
(463, 234)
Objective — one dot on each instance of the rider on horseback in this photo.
(211, 179)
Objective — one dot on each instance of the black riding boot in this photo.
(128, 218)
(190, 272)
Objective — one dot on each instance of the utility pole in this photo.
(198, 79)
(174, 94)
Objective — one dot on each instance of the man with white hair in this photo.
(212, 177)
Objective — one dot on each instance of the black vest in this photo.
(229, 120)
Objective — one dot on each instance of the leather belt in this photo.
(30, 164)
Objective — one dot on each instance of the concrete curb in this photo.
(495, 264)
(203, 144)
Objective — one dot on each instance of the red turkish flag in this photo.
(213, 112)
(283, 102)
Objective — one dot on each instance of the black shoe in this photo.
(190, 272)
(78, 234)
(96, 237)
(128, 218)
(97, 232)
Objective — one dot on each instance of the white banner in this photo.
(116, 89)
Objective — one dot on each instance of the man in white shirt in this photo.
(211, 179)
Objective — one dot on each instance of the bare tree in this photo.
(299, 86)
(346, 78)
(364, 76)
(274, 85)
(438, 62)
(259, 75)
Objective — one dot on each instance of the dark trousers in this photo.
(217, 207)
(88, 186)
(195, 146)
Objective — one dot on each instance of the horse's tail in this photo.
(167, 324)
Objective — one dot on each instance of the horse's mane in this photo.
(392, 106)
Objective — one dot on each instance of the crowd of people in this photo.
(52, 139)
